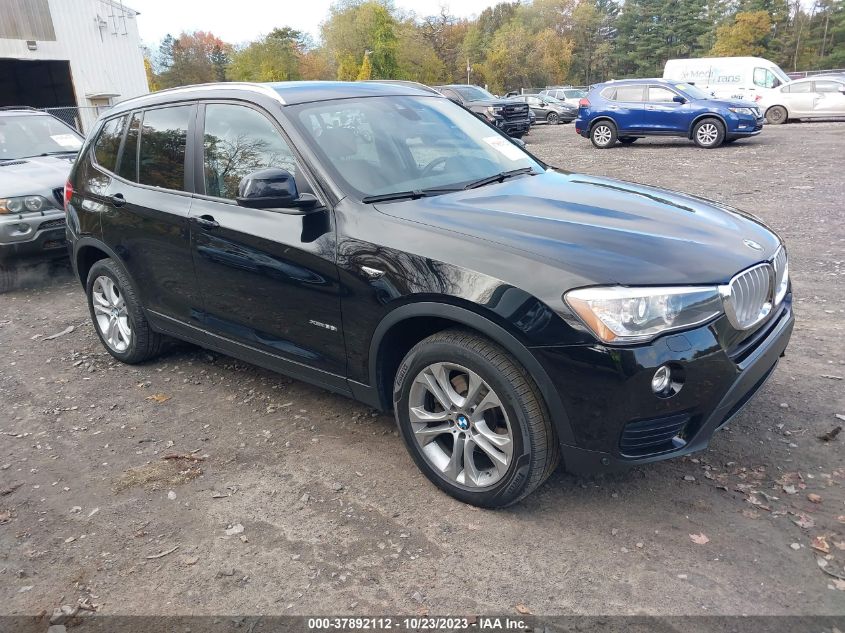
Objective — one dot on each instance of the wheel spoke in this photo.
(123, 327)
(441, 374)
(101, 309)
(473, 390)
(421, 416)
(489, 401)
(430, 383)
(502, 442)
(112, 332)
(453, 468)
(500, 460)
(471, 473)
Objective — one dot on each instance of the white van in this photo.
(749, 78)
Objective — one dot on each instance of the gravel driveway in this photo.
(199, 484)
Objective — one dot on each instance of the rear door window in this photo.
(828, 86)
(108, 143)
(799, 86)
(630, 94)
(164, 136)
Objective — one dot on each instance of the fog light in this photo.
(662, 379)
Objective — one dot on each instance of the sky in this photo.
(238, 21)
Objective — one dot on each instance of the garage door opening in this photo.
(36, 83)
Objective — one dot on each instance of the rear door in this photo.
(663, 115)
(145, 203)
(799, 97)
(625, 105)
(268, 277)
(829, 100)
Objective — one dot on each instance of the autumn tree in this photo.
(192, 58)
(747, 35)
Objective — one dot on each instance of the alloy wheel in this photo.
(111, 314)
(602, 134)
(552, 118)
(460, 425)
(707, 134)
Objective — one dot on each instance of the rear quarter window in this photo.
(107, 145)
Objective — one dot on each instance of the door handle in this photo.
(206, 221)
(117, 200)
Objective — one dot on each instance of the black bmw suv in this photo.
(384, 243)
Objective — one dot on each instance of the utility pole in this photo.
(469, 69)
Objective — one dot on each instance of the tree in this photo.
(192, 58)
(746, 36)
(366, 71)
(353, 28)
(275, 57)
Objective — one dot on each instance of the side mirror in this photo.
(679, 99)
(273, 188)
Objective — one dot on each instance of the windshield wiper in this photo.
(500, 177)
(409, 195)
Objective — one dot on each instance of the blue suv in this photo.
(632, 108)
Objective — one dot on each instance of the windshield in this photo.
(24, 136)
(548, 99)
(693, 92)
(381, 145)
(474, 93)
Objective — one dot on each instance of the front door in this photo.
(268, 277)
(663, 115)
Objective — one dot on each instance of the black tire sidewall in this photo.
(107, 268)
(719, 126)
(510, 487)
(613, 133)
(782, 120)
(552, 118)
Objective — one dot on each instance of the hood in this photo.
(28, 176)
(602, 231)
(728, 103)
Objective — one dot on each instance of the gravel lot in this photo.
(335, 518)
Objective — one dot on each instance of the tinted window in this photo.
(629, 93)
(609, 93)
(108, 143)
(128, 167)
(799, 86)
(163, 138)
(658, 94)
(828, 86)
(238, 141)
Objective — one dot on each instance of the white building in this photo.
(83, 54)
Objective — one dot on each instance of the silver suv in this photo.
(36, 154)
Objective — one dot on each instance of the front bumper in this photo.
(32, 235)
(745, 127)
(513, 127)
(607, 395)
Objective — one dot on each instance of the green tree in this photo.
(275, 57)
(366, 71)
(354, 27)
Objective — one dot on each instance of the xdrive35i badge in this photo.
(752, 244)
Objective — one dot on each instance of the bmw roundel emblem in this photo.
(753, 245)
(463, 423)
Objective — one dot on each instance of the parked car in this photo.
(385, 244)
(548, 109)
(36, 153)
(749, 78)
(811, 98)
(633, 108)
(510, 117)
(567, 94)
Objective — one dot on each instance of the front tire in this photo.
(473, 420)
(603, 134)
(8, 276)
(117, 314)
(708, 133)
(777, 115)
(552, 118)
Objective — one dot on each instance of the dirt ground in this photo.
(285, 499)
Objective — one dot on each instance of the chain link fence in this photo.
(81, 118)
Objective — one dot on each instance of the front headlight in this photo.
(621, 315)
(25, 204)
(494, 109)
(750, 111)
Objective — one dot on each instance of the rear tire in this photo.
(490, 450)
(603, 134)
(708, 133)
(777, 115)
(117, 315)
